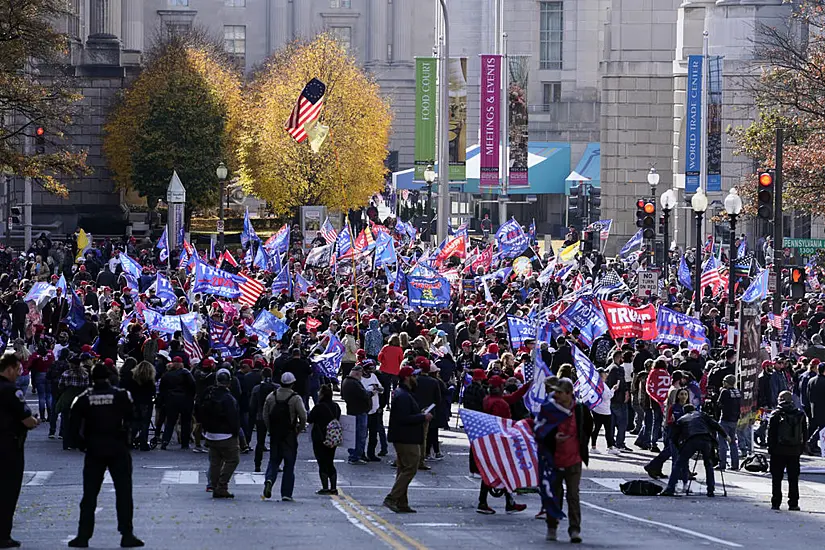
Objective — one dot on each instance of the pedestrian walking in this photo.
(101, 421)
(15, 422)
(285, 417)
(221, 423)
(786, 441)
(359, 402)
(325, 418)
(730, 400)
(406, 433)
(256, 412)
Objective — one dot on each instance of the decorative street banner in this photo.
(693, 117)
(675, 328)
(490, 123)
(518, 138)
(630, 322)
(714, 157)
(428, 292)
(458, 118)
(750, 339)
(425, 113)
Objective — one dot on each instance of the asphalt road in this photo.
(172, 509)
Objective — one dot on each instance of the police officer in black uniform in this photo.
(15, 421)
(100, 421)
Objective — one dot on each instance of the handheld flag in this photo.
(248, 234)
(307, 109)
(83, 244)
(163, 245)
(758, 289)
(520, 329)
(511, 239)
(328, 231)
(635, 240)
(684, 274)
(589, 386)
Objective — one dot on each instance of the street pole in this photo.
(697, 268)
(731, 286)
(429, 211)
(505, 124)
(666, 243)
(27, 201)
(221, 232)
(778, 232)
(703, 164)
(7, 192)
(444, 130)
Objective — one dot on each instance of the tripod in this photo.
(721, 474)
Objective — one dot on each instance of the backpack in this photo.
(640, 488)
(335, 434)
(789, 432)
(281, 425)
(211, 409)
(756, 463)
(474, 397)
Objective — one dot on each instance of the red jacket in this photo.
(390, 358)
(499, 405)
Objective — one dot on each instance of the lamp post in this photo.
(668, 202)
(733, 206)
(653, 180)
(429, 177)
(444, 129)
(699, 203)
(221, 172)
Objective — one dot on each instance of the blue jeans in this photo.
(22, 383)
(44, 394)
(619, 414)
(730, 429)
(285, 450)
(702, 444)
(744, 435)
(360, 437)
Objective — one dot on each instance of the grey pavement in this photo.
(173, 510)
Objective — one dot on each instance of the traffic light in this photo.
(574, 205)
(589, 240)
(15, 216)
(640, 212)
(797, 282)
(40, 140)
(764, 196)
(649, 219)
(595, 209)
(661, 225)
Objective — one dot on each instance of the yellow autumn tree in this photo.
(184, 113)
(349, 168)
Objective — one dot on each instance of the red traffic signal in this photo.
(764, 195)
(40, 131)
(765, 179)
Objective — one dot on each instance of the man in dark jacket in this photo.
(256, 408)
(406, 433)
(618, 404)
(221, 421)
(786, 440)
(718, 374)
(359, 402)
(816, 400)
(730, 401)
(177, 391)
(427, 392)
(301, 369)
(694, 431)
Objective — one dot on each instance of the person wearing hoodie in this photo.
(786, 441)
(373, 340)
(350, 349)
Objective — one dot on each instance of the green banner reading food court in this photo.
(425, 114)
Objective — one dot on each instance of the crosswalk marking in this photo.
(38, 478)
(107, 478)
(611, 483)
(249, 479)
(180, 477)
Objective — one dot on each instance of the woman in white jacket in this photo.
(602, 416)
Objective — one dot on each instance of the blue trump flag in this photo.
(758, 289)
(428, 291)
(130, 266)
(743, 247)
(675, 327)
(164, 291)
(587, 316)
(384, 250)
(211, 280)
(262, 260)
(400, 279)
(589, 387)
(248, 233)
(520, 329)
(344, 242)
(279, 242)
(61, 285)
(537, 395)
(684, 274)
(635, 240)
(282, 282)
(76, 317)
(301, 283)
(511, 239)
(163, 245)
(328, 363)
(266, 323)
(550, 415)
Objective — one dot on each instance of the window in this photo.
(342, 35)
(234, 3)
(178, 28)
(551, 35)
(73, 14)
(551, 93)
(234, 42)
(178, 2)
(340, 3)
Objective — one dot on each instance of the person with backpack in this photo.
(786, 441)
(285, 416)
(256, 411)
(729, 405)
(473, 400)
(221, 422)
(326, 435)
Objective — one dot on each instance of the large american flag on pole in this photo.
(251, 289)
(710, 275)
(190, 345)
(505, 451)
(307, 109)
(328, 231)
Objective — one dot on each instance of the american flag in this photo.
(775, 320)
(190, 345)
(307, 109)
(505, 451)
(222, 338)
(328, 232)
(710, 274)
(251, 289)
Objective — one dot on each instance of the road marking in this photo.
(383, 525)
(818, 487)
(664, 525)
(752, 486)
(351, 518)
(432, 524)
(107, 478)
(608, 482)
(249, 479)
(180, 477)
(98, 510)
(38, 478)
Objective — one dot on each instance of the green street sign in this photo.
(806, 247)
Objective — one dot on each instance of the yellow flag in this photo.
(569, 253)
(317, 134)
(82, 244)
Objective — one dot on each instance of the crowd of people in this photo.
(228, 387)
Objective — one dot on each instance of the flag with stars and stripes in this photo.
(251, 289)
(190, 345)
(222, 339)
(609, 284)
(505, 451)
(328, 231)
(307, 109)
(710, 275)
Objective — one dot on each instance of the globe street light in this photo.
(733, 206)
(653, 180)
(429, 177)
(221, 171)
(668, 202)
(699, 203)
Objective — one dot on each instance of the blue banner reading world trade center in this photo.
(693, 118)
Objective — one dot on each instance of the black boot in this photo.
(324, 484)
(130, 541)
(333, 483)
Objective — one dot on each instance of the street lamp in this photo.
(221, 172)
(444, 129)
(699, 203)
(429, 177)
(733, 206)
(653, 180)
(668, 202)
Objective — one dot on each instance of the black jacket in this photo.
(406, 419)
(356, 396)
(774, 447)
(816, 398)
(258, 398)
(730, 399)
(177, 384)
(584, 427)
(219, 413)
(696, 424)
(428, 391)
(100, 421)
(324, 412)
